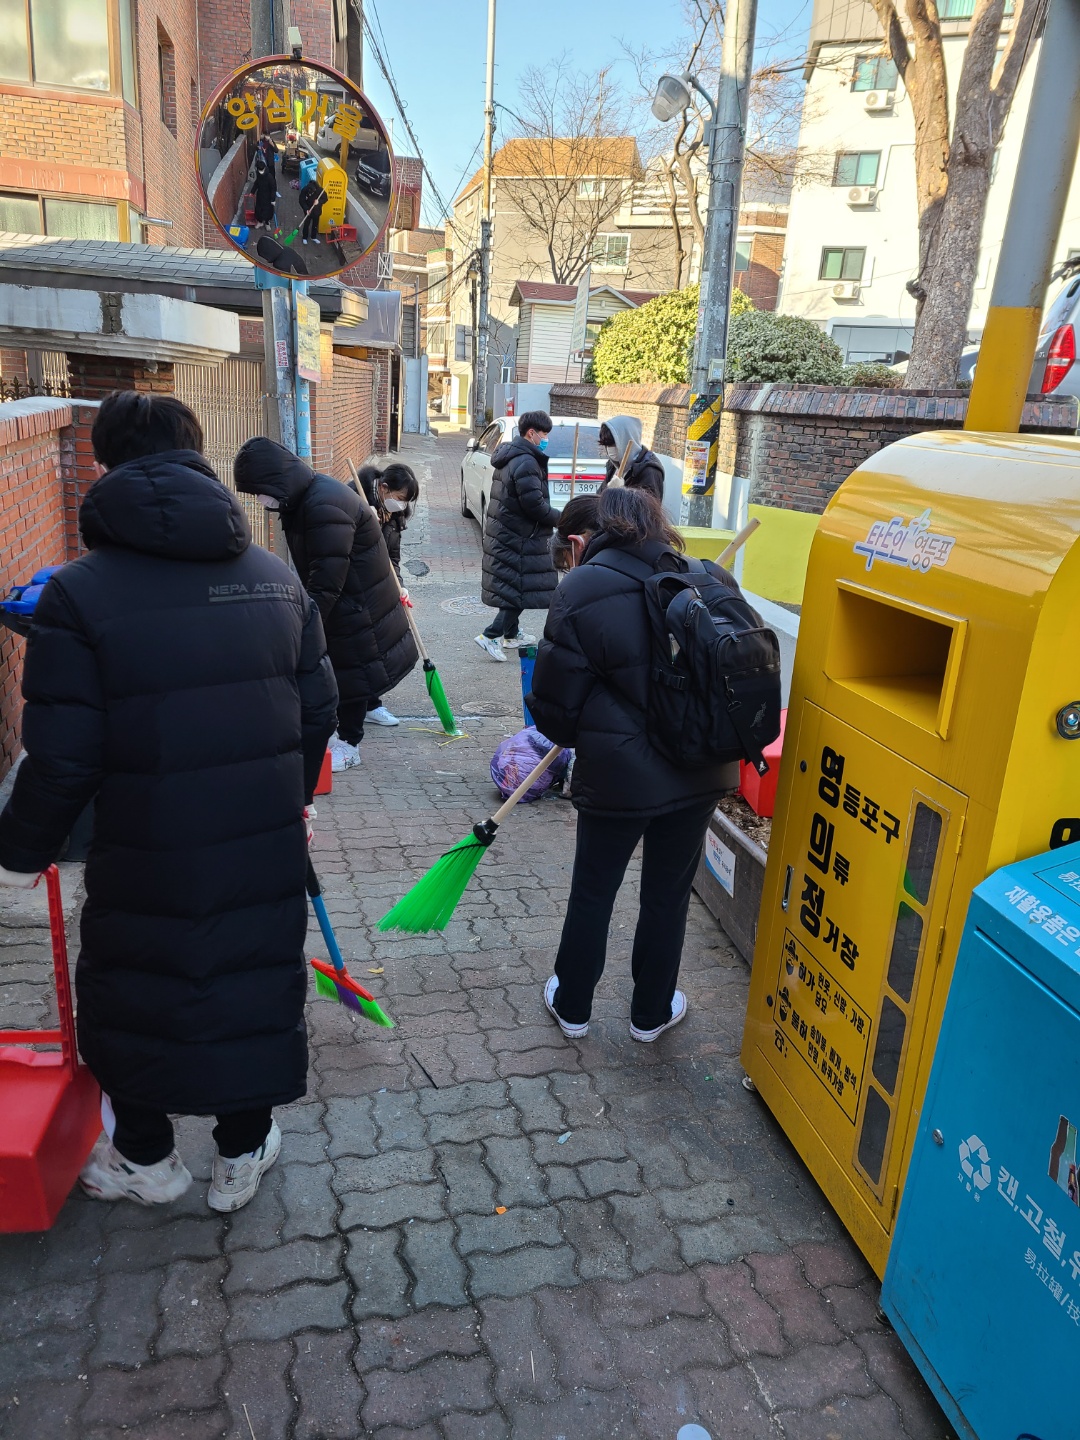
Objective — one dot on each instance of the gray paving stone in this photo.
(273, 1317)
(399, 1167)
(609, 1177)
(469, 1185)
(351, 1127)
(521, 1271)
(193, 1310)
(520, 1179)
(266, 1270)
(563, 1183)
(653, 1246)
(126, 1317)
(427, 1392)
(392, 1207)
(536, 1104)
(725, 1239)
(601, 1250)
(380, 1280)
(459, 1099)
(473, 1125)
(580, 1145)
(256, 1390)
(309, 1201)
(439, 1270)
(328, 1390)
(496, 1234)
(398, 1121)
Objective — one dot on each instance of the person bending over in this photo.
(590, 691)
(392, 491)
(177, 675)
(337, 546)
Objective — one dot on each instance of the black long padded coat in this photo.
(337, 545)
(590, 688)
(178, 673)
(518, 573)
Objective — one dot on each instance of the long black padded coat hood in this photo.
(337, 546)
(518, 573)
(177, 674)
(590, 689)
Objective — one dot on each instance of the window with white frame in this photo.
(610, 252)
(591, 188)
(57, 215)
(66, 43)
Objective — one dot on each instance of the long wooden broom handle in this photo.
(401, 588)
(534, 774)
(617, 479)
(729, 551)
(573, 461)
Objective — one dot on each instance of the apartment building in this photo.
(99, 102)
(852, 241)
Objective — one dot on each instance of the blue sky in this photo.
(437, 54)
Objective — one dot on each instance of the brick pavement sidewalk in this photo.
(476, 1229)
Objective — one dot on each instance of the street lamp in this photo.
(727, 133)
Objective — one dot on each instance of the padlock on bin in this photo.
(50, 1104)
(929, 741)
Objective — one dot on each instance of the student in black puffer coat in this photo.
(337, 545)
(178, 674)
(392, 492)
(621, 435)
(590, 691)
(518, 573)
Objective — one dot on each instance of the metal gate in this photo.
(230, 401)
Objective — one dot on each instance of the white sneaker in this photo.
(343, 756)
(513, 641)
(493, 647)
(382, 716)
(572, 1032)
(108, 1176)
(235, 1181)
(678, 1012)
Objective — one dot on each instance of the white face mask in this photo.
(392, 506)
(611, 451)
(268, 502)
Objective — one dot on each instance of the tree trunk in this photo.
(950, 247)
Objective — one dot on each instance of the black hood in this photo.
(263, 467)
(517, 446)
(171, 505)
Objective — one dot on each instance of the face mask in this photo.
(392, 506)
(542, 445)
(267, 502)
(611, 451)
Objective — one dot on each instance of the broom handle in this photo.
(534, 774)
(401, 588)
(314, 890)
(617, 479)
(729, 551)
(573, 461)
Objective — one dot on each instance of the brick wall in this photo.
(797, 443)
(352, 390)
(172, 189)
(92, 377)
(33, 434)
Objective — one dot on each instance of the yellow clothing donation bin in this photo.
(335, 182)
(935, 697)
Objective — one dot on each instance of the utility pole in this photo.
(727, 141)
(480, 348)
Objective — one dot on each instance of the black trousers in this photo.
(145, 1136)
(310, 228)
(507, 622)
(669, 861)
(350, 720)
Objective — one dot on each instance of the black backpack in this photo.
(714, 691)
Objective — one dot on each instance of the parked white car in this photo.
(476, 471)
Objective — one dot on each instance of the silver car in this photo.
(1055, 371)
(476, 469)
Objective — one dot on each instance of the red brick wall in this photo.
(92, 377)
(352, 390)
(172, 189)
(31, 529)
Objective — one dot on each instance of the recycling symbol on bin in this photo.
(974, 1153)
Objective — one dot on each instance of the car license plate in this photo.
(561, 488)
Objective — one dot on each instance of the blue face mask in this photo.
(542, 445)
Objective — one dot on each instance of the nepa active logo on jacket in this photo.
(265, 590)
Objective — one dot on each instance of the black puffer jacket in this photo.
(518, 573)
(393, 526)
(336, 543)
(590, 690)
(644, 472)
(178, 673)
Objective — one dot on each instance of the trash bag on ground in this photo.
(518, 754)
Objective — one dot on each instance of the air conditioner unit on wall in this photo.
(880, 99)
(861, 196)
(846, 290)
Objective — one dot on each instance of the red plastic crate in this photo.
(50, 1104)
(759, 791)
(326, 777)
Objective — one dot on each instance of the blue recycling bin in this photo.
(983, 1279)
(527, 657)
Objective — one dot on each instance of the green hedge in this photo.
(652, 344)
(765, 346)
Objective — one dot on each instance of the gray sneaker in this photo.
(235, 1181)
(513, 641)
(492, 647)
(107, 1175)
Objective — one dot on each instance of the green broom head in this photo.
(347, 992)
(438, 698)
(434, 898)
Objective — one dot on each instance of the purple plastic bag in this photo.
(518, 754)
